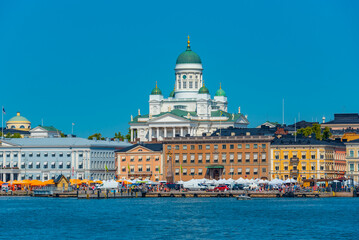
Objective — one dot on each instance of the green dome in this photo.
(220, 92)
(188, 56)
(172, 94)
(18, 118)
(156, 91)
(203, 90)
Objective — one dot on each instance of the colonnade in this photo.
(157, 132)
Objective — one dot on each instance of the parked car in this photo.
(221, 188)
(237, 187)
(193, 186)
(210, 187)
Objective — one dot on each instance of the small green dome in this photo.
(172, 94)
(18, 118)
(188, 56)
(203, 90)
(220, 92)
(156, 91)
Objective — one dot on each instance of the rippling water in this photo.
(178, 218)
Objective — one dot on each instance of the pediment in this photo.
(139, 149)
(7, 144)
(169, 118)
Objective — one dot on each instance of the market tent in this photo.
(125, 181)
(290, 180)
(49, 182)
(75, 181)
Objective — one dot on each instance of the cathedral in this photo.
(189, 110)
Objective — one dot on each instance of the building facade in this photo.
(140, 161)
(46, 158)
(216, 157)
(189, 109)
(353, 160)
(307, 158)
(342, 121)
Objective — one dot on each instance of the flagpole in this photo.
(2, 122)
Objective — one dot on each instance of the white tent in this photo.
(110, 184)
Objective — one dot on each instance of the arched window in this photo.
(12, 126)
(179, 84)
(22, 126)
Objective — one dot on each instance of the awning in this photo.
(215, 166)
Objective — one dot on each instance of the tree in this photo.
(128, 135)
(8, 135)
(326, 133)
(97, 136)
(316, 129)
(16, 135)
(305, 131)
(119, 136)
(62, 135)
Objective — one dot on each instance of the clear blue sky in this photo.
(94, 63)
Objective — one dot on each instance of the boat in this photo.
(243, 197)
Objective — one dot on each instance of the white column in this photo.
(150, 134)
(189, 131)
(181, 131)
(157, 132)
(174, 132)
(131, 135)
(165, 130)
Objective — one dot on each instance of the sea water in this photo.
(179, 218)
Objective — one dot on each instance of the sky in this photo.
(94, 63)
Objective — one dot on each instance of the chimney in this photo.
(239, 109)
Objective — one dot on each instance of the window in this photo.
(255, 157)
(69, 154)
(22, 155)
(30, 155)
(231, 146)
(61, 165)
(208, 147)
(177, 171)
(215, 146)
(184, 84)
(132, 169)
(263, 146)
(148, 159)
(15, 154)
(38, 165)
(286, 168)
(247, 146)
(239, 171)
(184, 171)
(157, 169)
(313, 167)
(255, 146)
(123, 169)
(322, 167)
(68, 165)
(22, 165)
(81, 155)
(140, 159)
(215, 158)
(304, 168)
(200, 171)
(80, 165)
(224, 157)
(61, 154)
(190, 84)
(286, 155)
(239, 157)
(248, 157)
(208, 158)
(176, 147)
(255, 171)
(200, 147)
(231, 157)
(277, 155)
(192, 171)
(192, 158)
(200, 158)
(351, 167)
(264, 156)
(224, 146)
(192, 147)
(169, 147)
(184, 147)
(53, 154)
(313, 155)
(53, 165)
(231, 171)
(123, 159)
(177, 158)
(304, 156)
(184, 157)
(140, 168)
(239, 146)
(132, 159)
(248, 171)
(294, 154)
(351, 153)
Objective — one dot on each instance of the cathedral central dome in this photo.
(188, 56)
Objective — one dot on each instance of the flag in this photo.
(128, 166)
(73, 124)
(3, 110)
(106, 168)
(181, 168)
(159, 169)
(221, 113)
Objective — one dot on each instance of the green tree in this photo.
(119, 136)
(326, 133)
(62, 135)
(128, 135)
(8, 135)
(305, 131)
(316, 129)
(97, 136)
(16, 135)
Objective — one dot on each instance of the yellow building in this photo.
(18, 123)
(353, 160)
(307, 158)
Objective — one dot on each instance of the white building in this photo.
(189, 109)
(46, 158)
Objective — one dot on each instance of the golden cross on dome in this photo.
(188, 42)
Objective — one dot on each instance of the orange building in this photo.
(216, 157)
(142, 161)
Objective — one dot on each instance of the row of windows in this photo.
(351, 167)
(239, 171)
(247, 157)
(132, 159)
(216, 146)
(303, 155)
(304, 168)
(60, 154)
(139, 169)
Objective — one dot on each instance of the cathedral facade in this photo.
(189, 110)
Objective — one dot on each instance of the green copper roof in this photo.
(203, 90)
(220, 92)
(156, 91)
(18, 119)
(49, 128)
(188, 56)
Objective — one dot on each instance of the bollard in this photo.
(136, 194)
(114, 194)
(98, 193)
(77, 193)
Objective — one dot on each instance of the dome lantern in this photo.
(188, 56)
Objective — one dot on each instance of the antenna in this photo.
(283, 112)
(42, 122)
(295, 130)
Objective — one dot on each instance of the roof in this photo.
(302, 124)
(203, 89)
(188, 56)
(152, 146)
(18, 118)
(220, 92)
(156, 91)
(64, 142)
(345, 118)
(49, 128)
(59, 178)
(230, 131)
(300, 140)
(12, 131)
